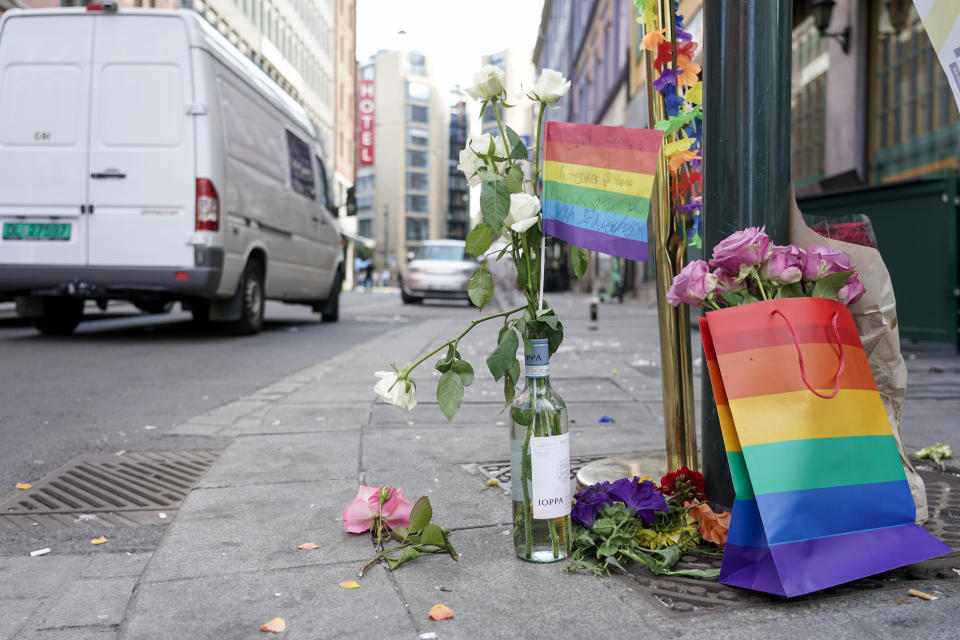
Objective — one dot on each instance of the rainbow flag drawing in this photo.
(821, 495)
(597, 182)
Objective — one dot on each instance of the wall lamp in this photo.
(822, 11)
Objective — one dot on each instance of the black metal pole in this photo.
(746, 138)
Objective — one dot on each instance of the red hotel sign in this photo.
(365, 109)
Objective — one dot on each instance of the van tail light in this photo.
(208, 206)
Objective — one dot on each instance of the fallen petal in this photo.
(275, 626)
(99, 540)
(308, 546)
(23, 486)
(440, 612)
(492, 482)
(349, 584)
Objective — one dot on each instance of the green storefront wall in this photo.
(916, 228)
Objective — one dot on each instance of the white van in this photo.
(144, 158)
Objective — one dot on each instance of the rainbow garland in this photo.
(679, 83)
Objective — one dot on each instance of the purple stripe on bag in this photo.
(750, 568)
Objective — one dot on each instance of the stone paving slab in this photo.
(16, 613)
(90, 602)
(304, 457)
(308, 598)
(72, 633)
(397, 446)
(459, 499)
(256, 528)
(115, 565)
(494, 595)
(301, 418)
(39, 576)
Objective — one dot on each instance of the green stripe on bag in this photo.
(798, 465)
(739, 475)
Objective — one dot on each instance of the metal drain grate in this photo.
(120, 490)
(501, 470)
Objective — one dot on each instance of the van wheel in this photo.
(409, 299)
(252, 301)
(60, 316)
(330, 312)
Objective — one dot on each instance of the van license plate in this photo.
(35, 231)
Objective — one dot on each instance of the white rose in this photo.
(524, 210)
(395, 390)
(480, 145)
(487, 83)
(550, 87)
(470, 164)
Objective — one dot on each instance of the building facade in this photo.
(402, 196)
(458, 197)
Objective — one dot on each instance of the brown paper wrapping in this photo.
(876, 317)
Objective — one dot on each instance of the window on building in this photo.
(418, 159)
(418, 64)
(368, 72)
(364, 202)
(418, 137)
(418, 228)
(418, 181)
(808, 103)
(365, 183)
(365, 227)
(418, 203)
(418, 91)
(914, 124)
(301, 166)
(418, 113)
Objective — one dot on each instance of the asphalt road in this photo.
(125, 378)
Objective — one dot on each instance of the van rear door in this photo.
(44, 110)
(142, 168)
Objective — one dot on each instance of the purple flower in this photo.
(673, 103)
(727, 282)
(852, 291)
(589, 502)
(692, 284)
(642, 497)
(667, 76)
(740, 251)
(822, 260)
(785, 264)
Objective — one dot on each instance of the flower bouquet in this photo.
(821, 494)
(636, 520)
(511, 210)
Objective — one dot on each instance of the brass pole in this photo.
(669, 252)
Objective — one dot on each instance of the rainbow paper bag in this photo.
(821, 495)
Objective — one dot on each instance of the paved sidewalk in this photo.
(300, 447)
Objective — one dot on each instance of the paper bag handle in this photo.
(796, 342)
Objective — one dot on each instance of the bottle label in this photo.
(551, 476)
(538, 362)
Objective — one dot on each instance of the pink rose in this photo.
(739, 252)
(785, 264)
(727, 282)
(692, 284)
(385, 503)
(852, 291)
(822, 260)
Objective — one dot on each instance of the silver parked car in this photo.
(437, 269)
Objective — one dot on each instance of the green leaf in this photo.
(503, 251)
(581, 260)
(503, 357)
(399, 533)
(450, 550)
(480, 287)
(432, 534)
(555, 337)
(479, 239)
(509, 391)
(518, 150)
(494, 203)
(549, 318)
(514, 179)
(420, 514)
(444, 363)
(450, 393)
(408, 554)
(465, 371)
(827, 286)
(514, 371)
(794, 290)
(523, 417)
(488, 177)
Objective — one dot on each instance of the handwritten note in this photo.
(597, 183)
